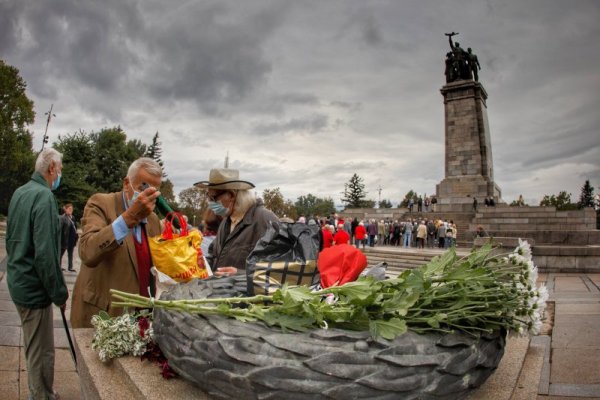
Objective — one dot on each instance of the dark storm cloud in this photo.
(208, 53)
(344, 87)
(74, 43)
(311, 125)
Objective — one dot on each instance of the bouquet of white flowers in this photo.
(479, 293)
(122, 335)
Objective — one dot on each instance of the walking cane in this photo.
(62, 312)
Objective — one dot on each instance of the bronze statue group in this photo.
(460, 64)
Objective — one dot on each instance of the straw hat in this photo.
(224, 178)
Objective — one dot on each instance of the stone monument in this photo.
(469, 171)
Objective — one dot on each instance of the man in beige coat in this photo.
(113, 246)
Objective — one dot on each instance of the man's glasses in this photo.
(215, 197)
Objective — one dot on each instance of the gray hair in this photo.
(146, 163)
(46, 158)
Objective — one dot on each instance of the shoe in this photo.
(72, 270)
(63, 269)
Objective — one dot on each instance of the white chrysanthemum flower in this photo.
(524, 249)
(536, 325)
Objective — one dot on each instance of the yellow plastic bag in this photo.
(178, 255)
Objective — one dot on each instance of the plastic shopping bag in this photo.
(178, 255)
(287, 253)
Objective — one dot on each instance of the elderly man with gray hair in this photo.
(113, 246)
(34, 277)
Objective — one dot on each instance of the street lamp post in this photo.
(50, 115)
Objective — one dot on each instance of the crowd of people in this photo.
(386, 232)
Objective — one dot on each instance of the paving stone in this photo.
(9, 385)
(573, 331)
(7, 305)
(67, 385)
(10, 336)
(595, 278)
(575, 391)
(9, 358)
(9, 318)
(563, 284)
(575, 366)
(63, 361)
(60, 338)
(5, 295)
(578, 309)
(531, 371)
(541, 397)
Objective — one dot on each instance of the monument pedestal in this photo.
(455, 194)
(468, 162)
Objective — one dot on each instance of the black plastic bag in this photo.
(287, 253)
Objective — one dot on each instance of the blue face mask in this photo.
(218, 208)
(135, 195)
(56, 182)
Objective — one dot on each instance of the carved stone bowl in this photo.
(229, 359)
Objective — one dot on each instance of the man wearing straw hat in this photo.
(245, 220)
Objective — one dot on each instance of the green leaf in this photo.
(287, 322)
(337, 314)
(296, 293)
(104, 315)
(387, 329)
(400, 302)
(438, 264)
(433, 322)
(358, 292)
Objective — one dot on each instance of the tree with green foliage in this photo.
(311, 205)
(368, 203)
(385, 204)
(166, 191)
(562, 201)
(155, 151)
(75, 186)
(16, 113)
(411, 194)
(354, 192)
(113, 155)
(275, 202)
(586, 199)
(138, 148)
(192, 202)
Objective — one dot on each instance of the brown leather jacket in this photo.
(232, 249)
(105, 264)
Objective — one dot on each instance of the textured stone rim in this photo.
(231, 359)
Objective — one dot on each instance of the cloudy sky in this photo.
(303, 94)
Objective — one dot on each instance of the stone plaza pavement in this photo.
(562, 363)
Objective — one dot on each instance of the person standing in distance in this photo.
(34, 277)
(69, 235)
(113, 246)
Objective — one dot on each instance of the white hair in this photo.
(45, 158)
(244, 199)
(146, 163)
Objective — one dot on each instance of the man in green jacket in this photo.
(34, 277)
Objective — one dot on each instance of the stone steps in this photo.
(400, 259)
(533, 219)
